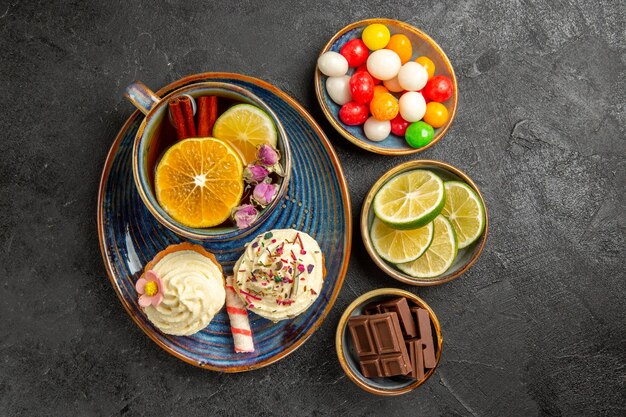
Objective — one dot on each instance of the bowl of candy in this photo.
(389, 341)
(424, 222)
(211, 160)
(386, 86)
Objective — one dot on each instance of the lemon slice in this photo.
(439, 256)
(397, 246)
(245, 127)
(465, 211)
(199, 181)
(410, 200)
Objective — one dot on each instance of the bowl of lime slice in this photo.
(424, 222)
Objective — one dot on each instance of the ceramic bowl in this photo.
(349, 360)
(145, 148)
(465, 257)
(422, 45)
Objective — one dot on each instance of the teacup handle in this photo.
(141, 96)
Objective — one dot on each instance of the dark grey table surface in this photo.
(536, 327)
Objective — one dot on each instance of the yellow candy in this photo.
(436, 114)
(376, 36)
(384, 106)
(425, 62)
(401, 45)
(380, 89)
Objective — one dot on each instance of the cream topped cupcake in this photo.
(182, 289)
(280, 274)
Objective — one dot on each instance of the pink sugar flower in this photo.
(150, 289)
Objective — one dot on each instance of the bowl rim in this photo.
(368, 146)
(382, 264)
(341, 352)
(197, 233)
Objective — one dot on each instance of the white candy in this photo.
(332, 64)
(412, 106)
(412, 76)
(393, 85)
(383, 64)
(377, 130)
(338, 88)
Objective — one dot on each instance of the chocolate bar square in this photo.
(379, 345)
(401, 307)
(422, 318)
(415, 349)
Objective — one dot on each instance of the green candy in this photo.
(419, 134)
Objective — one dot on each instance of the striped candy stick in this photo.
(238, 315)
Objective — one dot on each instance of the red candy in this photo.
(362, 87)
(353, 113)
(355, 52)
(399, 125)
(439, 88)
(363, 68)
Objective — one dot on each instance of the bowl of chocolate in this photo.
(389, 341)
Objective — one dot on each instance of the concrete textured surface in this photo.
(536, 328)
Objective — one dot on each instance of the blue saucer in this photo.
(316, 202)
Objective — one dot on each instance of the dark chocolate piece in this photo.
(401, 307)
(379, 345)
(426, 336)
(414, 346)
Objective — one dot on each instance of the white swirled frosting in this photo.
(193, 292)
(280, 274)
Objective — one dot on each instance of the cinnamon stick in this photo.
(207, 114)
(178, 119)
(212, 112)
(190, 125)
(203, 116)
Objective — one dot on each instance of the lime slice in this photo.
(465, 211)
(396, 246)
(245, 127)
(439, 256)
(410, 200)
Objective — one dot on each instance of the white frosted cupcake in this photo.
(182, 289)
(280, 274)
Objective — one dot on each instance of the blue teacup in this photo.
(147, 146)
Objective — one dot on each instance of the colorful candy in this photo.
(419, 134)
(338, 89)
(364, 68)
(427, 63)
(332, 64)
(412, 76)
(355, 52)
(384, 106)
(376, 130)
(393, 85)
(362, 87)
(436, 114)
(401, 45)
(412, 106)
(399, 125)
(439, 88)
(383, 64)
(376, 36)
(379, 89)
(353, 113)
(383, 70)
